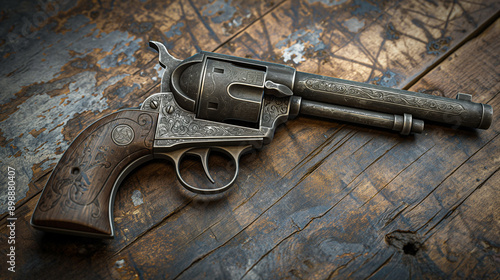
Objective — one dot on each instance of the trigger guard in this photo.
(234, 152)
(187, 186)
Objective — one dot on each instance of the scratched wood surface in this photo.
(323, 200)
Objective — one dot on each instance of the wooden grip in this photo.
(79, 194)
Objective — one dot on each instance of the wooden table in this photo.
(323, 200)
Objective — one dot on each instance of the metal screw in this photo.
(169, 109)
(153, 104)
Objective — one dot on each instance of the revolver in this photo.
(215, 102)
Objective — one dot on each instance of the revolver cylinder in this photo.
(229, 89)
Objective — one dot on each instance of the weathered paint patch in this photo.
(137, 198)
(17, 73)
(119, 263)
(160, 71)
(236, 22)
(175, 30)
(310, 35)
(126, 46)
(438, 46)
(82, 64)
(391, 33)
(299, 42)
(364, 7)
(219, 11)
(140, 27)
(388, 79)
(23, 20)
(435, 46)
(329, 3)
(354, 25)
(52, 113)
(294, 53)
(123, 91)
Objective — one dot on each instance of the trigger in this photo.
(203, 154)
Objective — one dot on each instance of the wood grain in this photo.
(323, 200)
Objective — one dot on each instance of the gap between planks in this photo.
(486, 24)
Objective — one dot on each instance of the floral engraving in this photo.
(385, 96)
(181, 124)
(274, 107)
(76, 188)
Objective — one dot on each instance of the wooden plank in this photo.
(274, 219)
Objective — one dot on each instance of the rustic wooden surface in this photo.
(323, 200)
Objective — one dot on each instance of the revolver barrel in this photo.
(460, 111)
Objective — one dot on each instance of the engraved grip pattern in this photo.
(79, 193)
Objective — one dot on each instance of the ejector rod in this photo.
(461, 111)
(405, 123)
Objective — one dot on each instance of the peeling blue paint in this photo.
(123, 91)
(388, 79)
(299, 42)
(175, 30)
(82, 64)
(329, 3)
(438, 46)
(354, 25)
(20, 26)
(126, 46)
(137, 198)
(34, 68)
(159, 71)
(238, 20)
(310, 35)
(391, 33)
(364, 7)
(140, 27)
(219, 11)
(120, 263)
